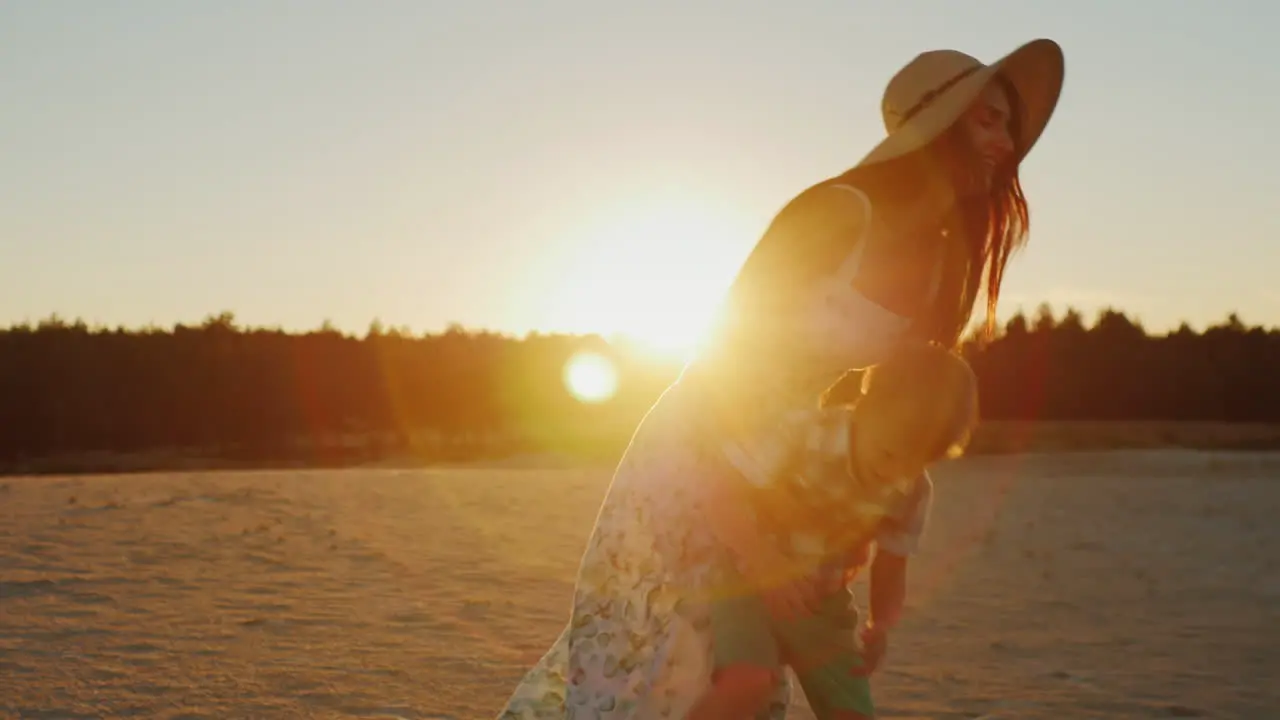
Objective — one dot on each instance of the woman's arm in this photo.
(731, 520)
(731, 496)
(822, 280)
(776, 322)
(786, 591)
(729, 503)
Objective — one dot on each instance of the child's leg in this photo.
(823, 652)
(739, 692)
(837, 689)
(746, 666)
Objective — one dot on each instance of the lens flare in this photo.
(590, 377)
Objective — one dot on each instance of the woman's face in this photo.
(985, 136)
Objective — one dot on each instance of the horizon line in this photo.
(55, 319)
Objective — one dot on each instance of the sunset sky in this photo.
(588, 166)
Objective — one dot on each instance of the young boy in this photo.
(846, 475)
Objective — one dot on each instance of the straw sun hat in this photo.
(934, 90)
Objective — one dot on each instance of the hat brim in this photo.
(1036, 70)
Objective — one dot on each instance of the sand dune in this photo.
(1135, 584)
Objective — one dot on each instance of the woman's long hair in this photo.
(983, 231)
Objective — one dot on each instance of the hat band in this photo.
(934, 93)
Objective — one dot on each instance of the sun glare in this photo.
(590, 377)
(653, 273)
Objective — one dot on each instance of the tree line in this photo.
(219, 390)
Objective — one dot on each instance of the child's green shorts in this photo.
(820, 649)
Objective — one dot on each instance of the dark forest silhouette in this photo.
(264, 397)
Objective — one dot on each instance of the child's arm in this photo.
(898, 539)
(887, 591)
(887, 594)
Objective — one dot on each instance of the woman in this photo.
(895, 249)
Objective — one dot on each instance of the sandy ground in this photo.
(1113, 585)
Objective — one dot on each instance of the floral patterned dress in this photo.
(638, 642)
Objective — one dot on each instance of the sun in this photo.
(590, 377)
(653, 272)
